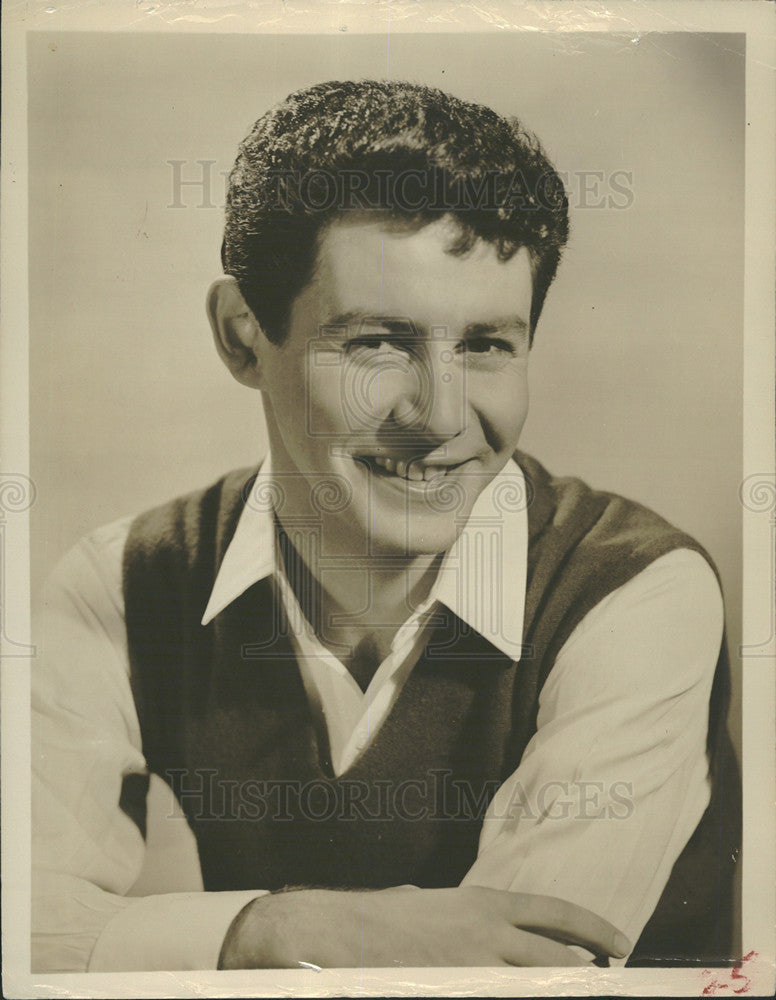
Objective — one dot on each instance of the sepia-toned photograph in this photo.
(387, 466)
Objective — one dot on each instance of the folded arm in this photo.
(614, 782)
(87, 852)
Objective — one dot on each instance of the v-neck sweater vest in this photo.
(225, 720)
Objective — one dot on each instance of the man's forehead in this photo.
(371, 265)
(379, 236)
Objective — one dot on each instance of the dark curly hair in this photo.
(405, 150)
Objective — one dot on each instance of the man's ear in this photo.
(236, 333)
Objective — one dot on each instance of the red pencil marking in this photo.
(738, 978)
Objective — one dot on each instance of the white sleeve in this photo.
(87, 853)
(615, 780)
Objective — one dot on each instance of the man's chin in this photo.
(418, 539)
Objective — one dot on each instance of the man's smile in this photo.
(409, 472)
(414, 470)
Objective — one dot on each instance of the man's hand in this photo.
(406, 926)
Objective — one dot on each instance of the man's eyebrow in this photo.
(348, 318)
(496, 326)
(479, 329)
(355, 317)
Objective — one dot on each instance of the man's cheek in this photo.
(326, 412)
(518, 411)
(510, 425)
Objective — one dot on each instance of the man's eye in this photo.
(368, 343)
(487, 346)
(360, 345)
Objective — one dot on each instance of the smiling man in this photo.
(421, 702)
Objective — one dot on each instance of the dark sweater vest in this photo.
(225, 719)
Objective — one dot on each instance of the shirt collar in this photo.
(482, 578)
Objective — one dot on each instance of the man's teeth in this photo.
(415, 471)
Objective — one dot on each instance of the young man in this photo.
(421, 702)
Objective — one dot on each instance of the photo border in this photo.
(758, 492)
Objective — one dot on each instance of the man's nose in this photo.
(431, 400)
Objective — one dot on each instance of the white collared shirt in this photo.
(606, 796)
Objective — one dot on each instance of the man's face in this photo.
(402, 380)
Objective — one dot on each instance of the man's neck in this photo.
(357, 609)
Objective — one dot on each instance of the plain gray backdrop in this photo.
(636, 375)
